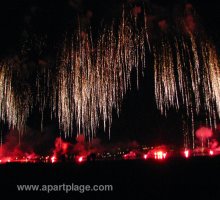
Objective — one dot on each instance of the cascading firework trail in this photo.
(7, 99)
(93, 77)
(14, 109)
(186, 76)
(211, 80)
(164, 75)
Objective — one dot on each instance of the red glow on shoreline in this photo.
(80, 159)
(160, 155)
(130, 155)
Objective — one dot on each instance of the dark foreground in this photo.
(176, 178)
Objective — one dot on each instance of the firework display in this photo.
(186, 71)
(92, 75)
(14, 108)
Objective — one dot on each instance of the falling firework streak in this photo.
(94, 77)
(14, 109)
(164, 75)
(186, 77)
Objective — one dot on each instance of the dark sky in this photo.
(139, 119)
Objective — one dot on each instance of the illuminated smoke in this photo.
(204, 132)
(81, 148)
(15, 151)
(61, 148)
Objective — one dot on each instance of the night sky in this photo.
(49, 20)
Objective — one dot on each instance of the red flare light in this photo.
(160, 155)
(53, 159)
(186, 153)
(211, 152)
(130, 155)
(80, 159)
(145, 156)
